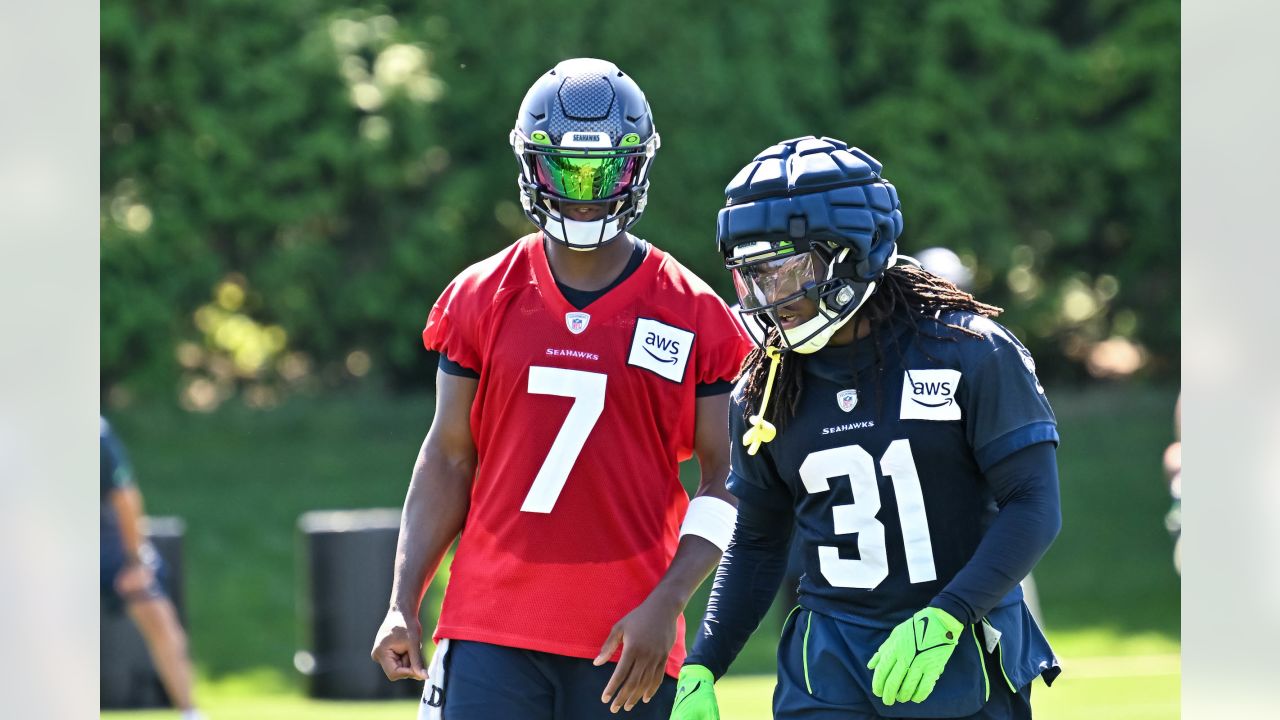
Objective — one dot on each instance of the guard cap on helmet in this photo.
(584, 136)
(813, 218)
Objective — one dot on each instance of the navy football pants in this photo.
(823, 688)
(493, 682)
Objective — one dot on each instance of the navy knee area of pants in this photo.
(494, 682)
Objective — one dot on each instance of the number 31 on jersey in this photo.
(872, 567)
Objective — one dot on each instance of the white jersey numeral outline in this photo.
(872, 567)
(587, 391)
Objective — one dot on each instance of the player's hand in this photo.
(695, 695)
(909, 663)
(398, 647)
(134, 578)
(646, 635)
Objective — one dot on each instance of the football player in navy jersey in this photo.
(901, 435)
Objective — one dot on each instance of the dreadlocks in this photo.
(903, 289)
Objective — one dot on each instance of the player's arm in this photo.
(746, 582)
(136, 575)
(703, 537)
(648, 632)
(127, 502)
(434, 511)
(1025, 485)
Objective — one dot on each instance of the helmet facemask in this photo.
(584, 169)
(771, 278)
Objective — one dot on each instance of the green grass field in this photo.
(241, 478)
(1135, 688)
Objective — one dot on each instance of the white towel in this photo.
(432, 705)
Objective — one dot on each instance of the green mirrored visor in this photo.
(586, 175)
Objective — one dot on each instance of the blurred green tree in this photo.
(286, 187)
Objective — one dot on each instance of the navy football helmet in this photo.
(584, 136)
(808, 218)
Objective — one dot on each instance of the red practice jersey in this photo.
(580, 421)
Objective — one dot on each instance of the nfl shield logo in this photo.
(577, 322)
(847, 399)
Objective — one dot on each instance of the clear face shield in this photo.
(774, 283)
(794, 292)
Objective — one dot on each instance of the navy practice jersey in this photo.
(886, 472)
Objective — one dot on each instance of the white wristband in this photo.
(711, 518)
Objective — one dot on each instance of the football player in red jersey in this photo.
(578, 367)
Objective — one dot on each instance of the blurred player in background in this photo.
(1173, 473)
(578, 367)
(128, 574)
(947, 265)
(902, 435)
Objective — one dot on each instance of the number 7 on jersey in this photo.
(587, 391)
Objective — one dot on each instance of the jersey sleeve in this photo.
(450, 367)
(752, 478)
(452, 329)
(1004, 401)
(1025, 487)
(721, 345)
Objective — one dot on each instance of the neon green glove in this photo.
(695, 695)
(910, 662)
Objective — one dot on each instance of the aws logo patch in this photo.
(930, 395)
(661, 348)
